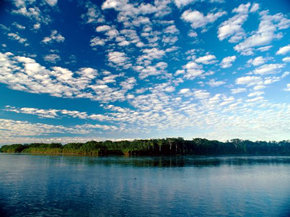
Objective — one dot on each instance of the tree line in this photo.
(155, 147)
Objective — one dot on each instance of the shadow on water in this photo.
(286, 209)
(177, 161)
(3, 213)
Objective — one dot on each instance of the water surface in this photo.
(33, 185)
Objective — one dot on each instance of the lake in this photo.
(32, 185)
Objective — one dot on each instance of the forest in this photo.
(155, 147)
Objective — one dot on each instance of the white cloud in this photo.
(192, 70)
(248, 80)
(255, 94)
(264, 48)
(286, 59)
(52, 58)
(284, 50)
(16, 37)
(232, 28)
(238, 90)
(31, 11)
(258, 98)
(228, 61)
(93, 14)
(182, 3)
(257, 61)
(97, 41)
(54, 37)
(269, 25)
(51, 113)
(18, 26)
(201, 94)
(118, 58)
(184, 91)
(51, 2)
(103, 28)
(268, 69)
(153, 53)
(57, 113)
(156, 69)
(126, 10)
(287, 87)
(255, 7)
(214, 83)
(129, 83)
(25, 74)
(10, 128)
(198, 20)
(242, 9)
(145, 43)
(169, 89)
(108, 4)
(192, 34)
(208, 59)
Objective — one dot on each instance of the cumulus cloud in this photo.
(287, 87)
(57, 113)
(52, 58)
(286, 59)
(10, 128)
(255, 7)
(257, 61)
(156, 69)
(214, 83)
(142, 41)
(184, 91)
(93, 13)
(283, 50)
(201, 94)
(103, 28)
(159, 8)
(248, 80)
(192, 70)
(238, 90)
(54, 37)
(51, 2)
(268, 30)
(228, 61)
(182, 3)
(118, 58)
(268, 69)
(198, 19)
(208, 59)
(25, 74)
(18, 38)
(97, 41)
(232, 28)
(32, 11)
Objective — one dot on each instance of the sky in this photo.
(73, 71)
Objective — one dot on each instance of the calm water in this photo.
(118, 186)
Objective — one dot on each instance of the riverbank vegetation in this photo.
(155, 147)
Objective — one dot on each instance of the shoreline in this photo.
(155, 147)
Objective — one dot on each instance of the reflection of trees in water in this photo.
(179, 161)
(3, 212)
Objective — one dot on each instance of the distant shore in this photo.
(154, 147)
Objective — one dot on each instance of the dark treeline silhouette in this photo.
(156, 147)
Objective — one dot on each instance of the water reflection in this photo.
(33, 185)
(179, 161)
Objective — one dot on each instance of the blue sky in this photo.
(81, 70)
